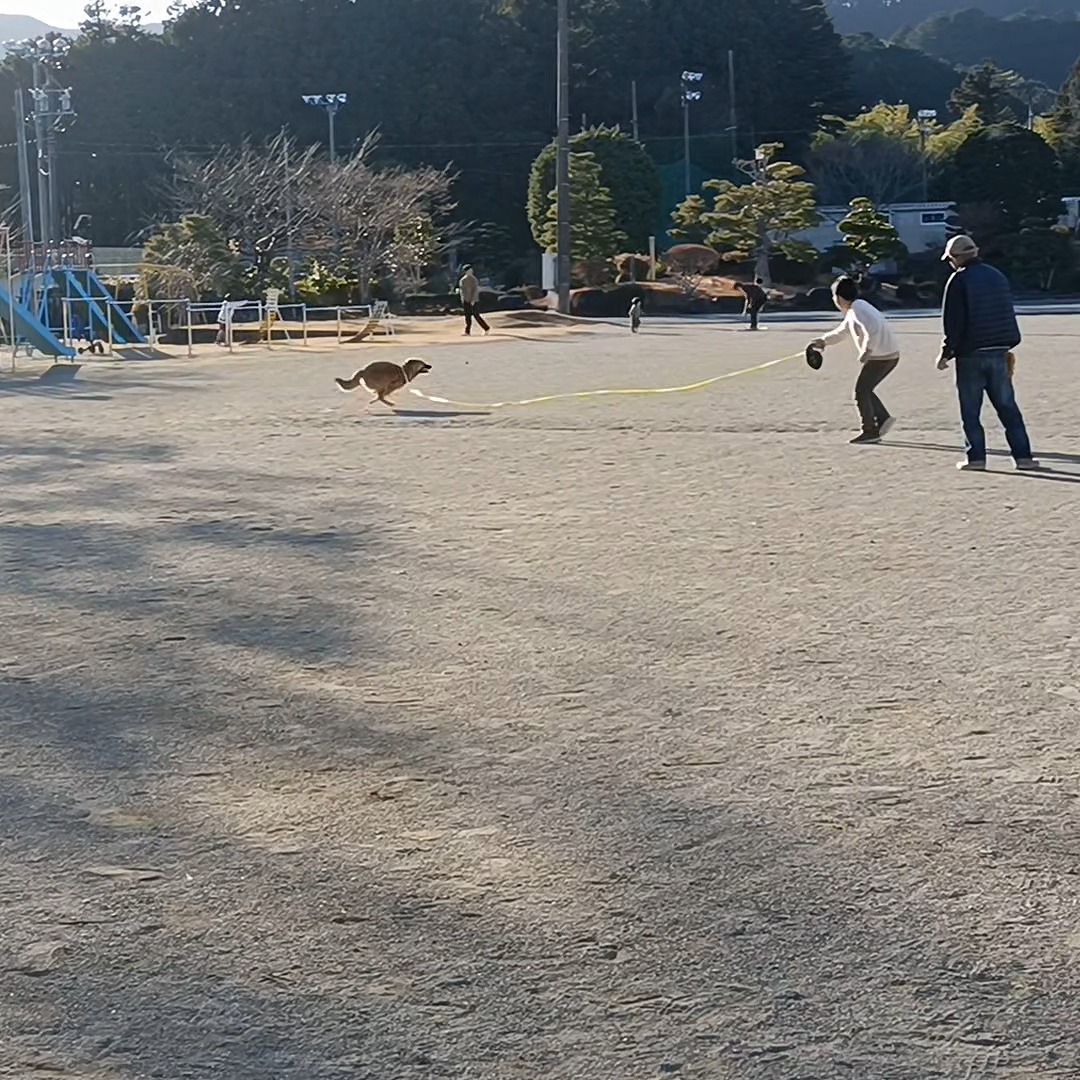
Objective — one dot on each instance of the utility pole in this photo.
(290, 257)
(562, 163)
(26, 199)
(734, 113)
(41, 108)
(52, 112)
(688, 81)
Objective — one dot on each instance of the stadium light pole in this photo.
(331, 103)
(562, 159)
(688, 82)
(926, 118)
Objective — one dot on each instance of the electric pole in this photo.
(562, 163)
(26, 198)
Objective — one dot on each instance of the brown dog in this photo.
(383, 378)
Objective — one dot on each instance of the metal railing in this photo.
(159, 318)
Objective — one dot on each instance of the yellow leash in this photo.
(603, 393)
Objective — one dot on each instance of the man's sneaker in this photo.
(865, 438)
(887, 425)
(1027, 464)
(971, 466)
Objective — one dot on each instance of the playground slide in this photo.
(29, 329)
(87, 285)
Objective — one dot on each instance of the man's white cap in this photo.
(960, 247)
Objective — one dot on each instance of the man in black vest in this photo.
(980, 331)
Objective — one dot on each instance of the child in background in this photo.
(878, 355)
(635, 314)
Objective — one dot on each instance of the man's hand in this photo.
(942, 361)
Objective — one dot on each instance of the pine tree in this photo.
(594, 237)
(750, 221)
(1064, 122)
(989, 89)
(870, 234)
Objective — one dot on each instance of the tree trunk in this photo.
(761, 266)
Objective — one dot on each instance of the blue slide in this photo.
(86, 286)
(30, 329)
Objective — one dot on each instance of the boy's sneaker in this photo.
(887, 425)
(866, 438)
(1027, 465)
(971, 466)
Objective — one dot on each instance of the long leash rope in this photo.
(614, 392)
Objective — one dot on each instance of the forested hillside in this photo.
(884, 18)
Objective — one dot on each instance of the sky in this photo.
(68, 13)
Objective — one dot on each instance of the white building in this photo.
(922, 226)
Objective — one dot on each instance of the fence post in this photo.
(303, 315)
(190, 333)
(108, 323)
(339, 325)
(66, 319)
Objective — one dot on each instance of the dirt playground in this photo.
(608, 739)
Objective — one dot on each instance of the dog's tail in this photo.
(350, 384)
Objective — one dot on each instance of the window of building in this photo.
(933, 217)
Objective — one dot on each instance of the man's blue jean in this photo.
(986, 372)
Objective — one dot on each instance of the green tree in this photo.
(870, 234)
(1011, 169)
(626, 170)
(595, 237)
(990, 90)
(877, 154)
(885, 153)
(751, 221)
(192, 258)
(1039, 255)
(1061, 128)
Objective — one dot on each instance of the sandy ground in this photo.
(611, 739)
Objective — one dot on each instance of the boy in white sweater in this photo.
(878, 355)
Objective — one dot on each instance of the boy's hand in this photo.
(817, 343)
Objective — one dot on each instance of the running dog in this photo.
(383, 378)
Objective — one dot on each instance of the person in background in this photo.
(980, 332)
(635, 315)
(878, 355)
(756, 299)
(469, 291)
(228, 307)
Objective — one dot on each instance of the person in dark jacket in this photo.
(980, 331)
(756, 298)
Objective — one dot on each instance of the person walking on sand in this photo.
(878, 356)
(756, 299)
(635, 315)
(980, 332)
(469, 291)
